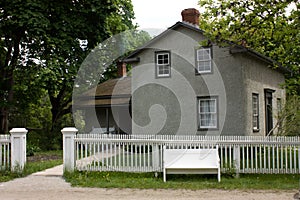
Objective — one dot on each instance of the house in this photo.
(180, 86)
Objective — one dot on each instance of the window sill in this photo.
(208, 129)
(201, 73)
(256, 130)
(167, 76)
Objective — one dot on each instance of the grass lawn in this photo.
(39, 162)
(193, 182)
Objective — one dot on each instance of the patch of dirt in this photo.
(43, 157)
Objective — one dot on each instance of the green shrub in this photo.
(31, 149)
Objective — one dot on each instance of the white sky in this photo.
(160, 14)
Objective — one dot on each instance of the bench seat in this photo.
(191, 161)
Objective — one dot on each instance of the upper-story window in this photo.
(163, 63)
(204, 61)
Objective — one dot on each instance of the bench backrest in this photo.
(191, 158)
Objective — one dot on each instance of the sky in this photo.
(160, 14)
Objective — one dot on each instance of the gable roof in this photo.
(234, 48)
(161, 35)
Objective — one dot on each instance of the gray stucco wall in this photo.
(169, 105)
(259, 77)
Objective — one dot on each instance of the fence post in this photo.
(237, 159)
(69, 134)
(155, 157)
(18, 148)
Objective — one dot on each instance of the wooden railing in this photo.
(5, 152)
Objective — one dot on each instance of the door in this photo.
(268, 111)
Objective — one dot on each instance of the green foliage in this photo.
(122, 44)
(31, 149)
(269, 27)
(289, 117)
(193, 182)
(230, 171)
(42, 45)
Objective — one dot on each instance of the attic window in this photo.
(204, 60)
(163, 64)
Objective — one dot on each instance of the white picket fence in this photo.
(143, 153)
(4, 152)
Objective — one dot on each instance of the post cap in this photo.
(69, 130)
(18, 130)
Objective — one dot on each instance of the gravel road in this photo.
(49, 185)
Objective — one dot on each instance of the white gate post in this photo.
(69, 134)
(18, 148)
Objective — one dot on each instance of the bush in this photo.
(289, 117)
(31, 149)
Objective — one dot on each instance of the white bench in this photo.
(191, 161)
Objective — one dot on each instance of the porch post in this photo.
(107, 120)
(18, 148)
(69, 134)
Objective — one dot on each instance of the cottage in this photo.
(181, 83)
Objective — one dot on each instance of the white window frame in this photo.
(212, 115)
(205, 52)
(164, 65)
(255, 112)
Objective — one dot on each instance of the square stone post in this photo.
(69, 134)
(18, 148)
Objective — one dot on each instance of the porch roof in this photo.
(114, 92)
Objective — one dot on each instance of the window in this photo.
(204, 60)
(163, 64)
(208, 116)
(255, 112)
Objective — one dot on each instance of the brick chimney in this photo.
(122, 72)
(191, 16)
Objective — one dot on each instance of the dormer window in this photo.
(204, 61)
(163, 64)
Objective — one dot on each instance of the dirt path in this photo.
(49, 185)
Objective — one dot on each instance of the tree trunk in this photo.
(60, 106)
(7, 76)
(3, 121)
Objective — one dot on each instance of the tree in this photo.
(131, 40)
(48, 40)
(289, 117)
(269, 27)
